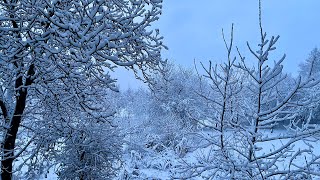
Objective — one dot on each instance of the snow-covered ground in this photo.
(141, 162)
(153, 165)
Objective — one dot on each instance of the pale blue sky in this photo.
(192, 29)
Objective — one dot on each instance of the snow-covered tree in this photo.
(263, 144)
(310, 69)
(133, 117)
(311, 66)
(53, 55)
(220, 120)
(174, 102)
(266, 108)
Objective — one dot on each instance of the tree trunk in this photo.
(10, 138)
(14, 124)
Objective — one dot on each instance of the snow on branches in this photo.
(55, 57)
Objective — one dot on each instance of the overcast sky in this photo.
(192, 30)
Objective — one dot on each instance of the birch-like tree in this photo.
(267, 108)
(272, 140)
(53, 54)
(220, 120)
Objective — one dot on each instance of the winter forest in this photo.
(63, 115)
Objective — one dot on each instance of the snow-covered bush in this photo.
(91, 152)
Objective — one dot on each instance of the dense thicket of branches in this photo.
(54, 63)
